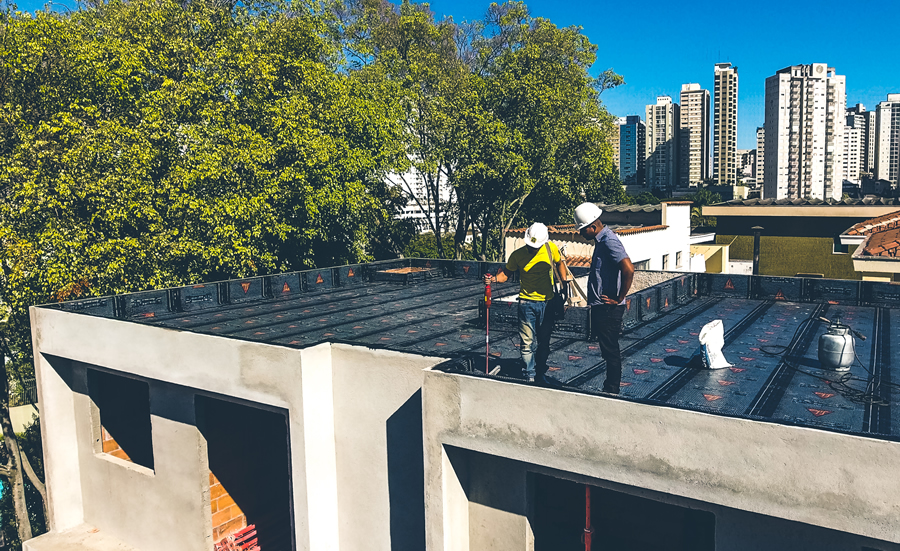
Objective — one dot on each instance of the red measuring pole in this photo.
(487, 326)
(587, 518)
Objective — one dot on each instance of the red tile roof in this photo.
(877, 224)
(883, 243)
(644, 229)
(569, 229)
(575, 261)
(882, 235)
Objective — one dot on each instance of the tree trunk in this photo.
(14, 463)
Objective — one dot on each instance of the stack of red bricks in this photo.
(242, 540)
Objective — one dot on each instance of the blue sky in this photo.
(658, 46)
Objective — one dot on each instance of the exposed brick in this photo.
(225, 501)
(222, 516)
(217, 491)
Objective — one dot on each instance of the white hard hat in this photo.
(536, 235)
(586, 214)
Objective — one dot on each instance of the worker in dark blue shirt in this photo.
(608, 284)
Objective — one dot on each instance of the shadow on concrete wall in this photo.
(406, 475)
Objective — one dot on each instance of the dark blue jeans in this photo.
(606, 326)
(535, 329)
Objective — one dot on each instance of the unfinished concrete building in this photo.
(349, 408)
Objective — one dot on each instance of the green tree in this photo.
(154, 143)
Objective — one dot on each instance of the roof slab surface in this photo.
(439, 311)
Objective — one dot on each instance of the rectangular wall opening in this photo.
(249, 463)
(121, 417)
(621, 522)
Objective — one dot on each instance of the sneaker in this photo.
(530, 379)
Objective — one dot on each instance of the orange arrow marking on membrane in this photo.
(574, 358)
(667, 303)
(428, 264)
(711, 397)
(286, 289)
(671, 350)
(656, 360)
(640, 371)
(763, 340)
(350, 273)
(319, 279)
(746, 359)
(593, 347)
(683, 342)
(245, 285)
(648, 302)
(628, 304)
(466, 269)
(736, 369)
(554, 368)
(726, 383)
(729, 285)
(440, 344)
(824, 395)
(624, 384)
(779, 295)
(819, 412)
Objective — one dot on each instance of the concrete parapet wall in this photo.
(829, 480)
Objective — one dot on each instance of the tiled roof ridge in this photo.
(877, 224)
(569, 229)
(632, 231)
(877, 201)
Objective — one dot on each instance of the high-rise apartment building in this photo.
(859, 118)
(725, 124)
(760, 156)
(887, 140)
(851, 160)
(632, 145)
(662, 149)
(694, 138)
(804, 133)
(746, 164)
(614, 141)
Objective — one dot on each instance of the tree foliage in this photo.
(501, 112)
(150, 143)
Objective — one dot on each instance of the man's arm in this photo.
(627, 278)
(563, 272)
(502, 275)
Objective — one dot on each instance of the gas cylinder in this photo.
(836, 349)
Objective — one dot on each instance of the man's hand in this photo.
(488, 279)
(606, 300)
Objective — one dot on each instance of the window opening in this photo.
(122, 426)
(249, 478)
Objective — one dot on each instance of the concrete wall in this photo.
(825, 480)
(337, 459)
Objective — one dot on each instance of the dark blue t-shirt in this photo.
(606, 275)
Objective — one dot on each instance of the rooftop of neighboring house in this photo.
(436, 308)
(881, 235)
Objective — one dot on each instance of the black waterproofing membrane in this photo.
(437, 308)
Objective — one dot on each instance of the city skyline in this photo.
(760, 40)
(757, 41)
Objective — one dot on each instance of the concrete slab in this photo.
(81, 538)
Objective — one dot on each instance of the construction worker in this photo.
(608, 284)
(533, 262)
